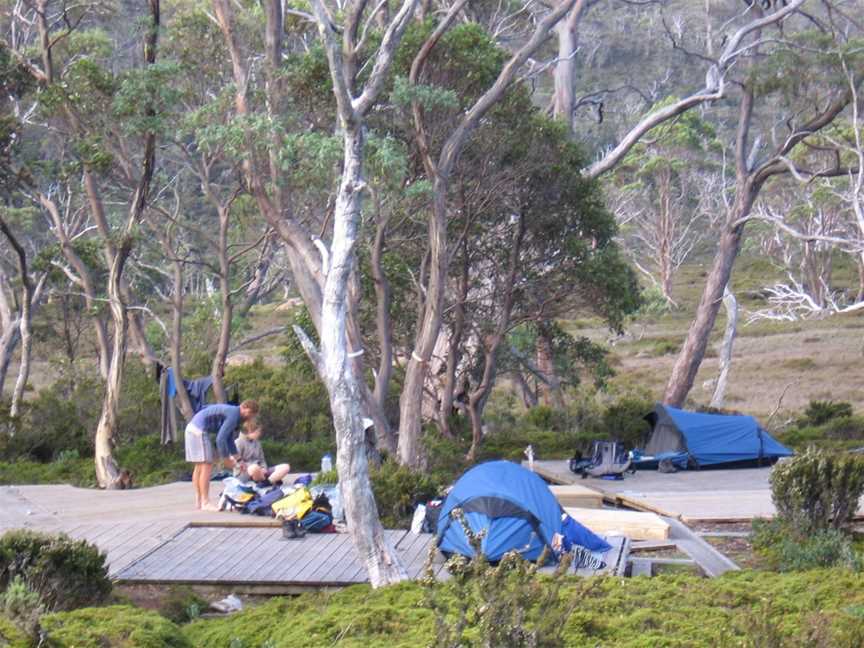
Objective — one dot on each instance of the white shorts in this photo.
(199, 448)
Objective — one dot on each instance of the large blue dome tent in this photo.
(697, 439)
(513, 505)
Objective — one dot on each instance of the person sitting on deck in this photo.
(251, 464)
(220, 420)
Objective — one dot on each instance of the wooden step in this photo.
(632, 524)
(577, 496)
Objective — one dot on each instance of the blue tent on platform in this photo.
(694, 438)
(513, 505)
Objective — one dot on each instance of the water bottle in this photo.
(326, 463)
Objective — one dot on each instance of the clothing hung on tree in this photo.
(197, 390)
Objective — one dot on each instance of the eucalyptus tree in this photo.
(798, 80)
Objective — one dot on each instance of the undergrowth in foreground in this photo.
(819, 608)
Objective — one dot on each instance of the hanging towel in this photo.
(168, 411)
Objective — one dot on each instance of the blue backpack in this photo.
(263, 505)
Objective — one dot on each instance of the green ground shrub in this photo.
(21, 605)
(181, 604)
(117, 626)
(65, 573)
(820, 412)
(11, 636)
(820, 609)
(294, 405)
(817, 489)
(397, 491)
(785, 548)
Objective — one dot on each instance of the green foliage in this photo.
(181, 604)
(330, 477)
(63, 572)
(817, 490)
(680, 611)
(117, 626)
(820, 412)
(624, 420)
(787, 549)
(294, 405)
(11, 636)
(398, 490)
(22, 605)
(146, 96)
(507, 605)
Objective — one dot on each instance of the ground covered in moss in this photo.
(816, 608)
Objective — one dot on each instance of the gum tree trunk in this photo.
(731, 305)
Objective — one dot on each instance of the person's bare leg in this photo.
(195, 472)
(206, 471)
(279, 472)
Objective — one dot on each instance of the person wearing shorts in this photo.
(220, 421)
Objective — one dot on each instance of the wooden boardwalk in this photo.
(151, 536)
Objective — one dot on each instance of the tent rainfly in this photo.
(514, 507)
(697, 439)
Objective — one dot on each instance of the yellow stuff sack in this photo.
(294, 506)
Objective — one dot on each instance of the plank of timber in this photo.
(652, 545)
(329, 563)
(414, 552)
(710, 561)
(195, 554)
(552, 475)
(633, 524)
(577, 495)
(641, 567)
(327, 542)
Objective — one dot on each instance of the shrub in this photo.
(819, 412)
(294, 406)
(117, 626)
(624, 420)
(397, 490)
(150, 462)
(65, 573)
(11, 636)
(818, 490)
(22, 605)
(787, 549)
(507, 605)
(181, 604)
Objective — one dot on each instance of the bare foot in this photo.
(207, 506)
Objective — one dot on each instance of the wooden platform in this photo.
(636, 525)
(153, 536)
(577, 495)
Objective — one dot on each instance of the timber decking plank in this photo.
(296, 554)
(250, 555)
(169, 555)
(329, 564)
(229, 549)
(343, 562)
(180, 554)
(269, 554)
(415, 554)
(710, 561)
(138, 547)
(325, 550)
(641, 567)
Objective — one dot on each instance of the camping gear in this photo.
(334, 496)
(303, 480)
(418, 519)
(430, 521)
(326, 463)
(512, 504)
(695, 440)
(293, 506)
(608, 458)
(316, 521)
(291, 530)
(230, 603)
(263, 505)
(578, 535)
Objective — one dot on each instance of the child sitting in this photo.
(251, 465)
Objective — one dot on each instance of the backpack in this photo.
(293, 506)
(264, 504)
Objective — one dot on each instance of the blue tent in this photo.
(694, 438)
(513, 505)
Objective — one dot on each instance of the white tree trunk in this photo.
(731, 305)
(343, 385)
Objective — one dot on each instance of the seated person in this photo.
(251, 464)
